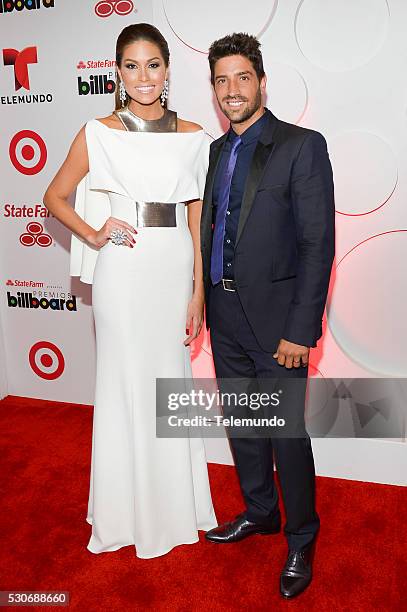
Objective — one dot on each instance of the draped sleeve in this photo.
(94, 208)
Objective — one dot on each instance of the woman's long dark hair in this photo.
(133, 33)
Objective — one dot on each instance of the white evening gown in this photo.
(149, 492)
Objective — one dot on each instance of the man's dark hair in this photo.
(236, 44)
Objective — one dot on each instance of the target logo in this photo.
(120, 7)
(35, 235)
(46, 360)
(28, 152)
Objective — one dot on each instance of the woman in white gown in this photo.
(135, 171)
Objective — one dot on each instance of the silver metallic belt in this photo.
(156, 214)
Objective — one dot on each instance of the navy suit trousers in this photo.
(237, 354)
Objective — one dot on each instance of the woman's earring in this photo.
(164, 93)
(122, 93)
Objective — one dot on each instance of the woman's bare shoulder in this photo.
(111, 121)
(188, 126)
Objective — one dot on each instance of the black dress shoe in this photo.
(297, 572)
(237, 530)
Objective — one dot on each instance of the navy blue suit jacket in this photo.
(286, 235)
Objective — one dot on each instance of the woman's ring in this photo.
(118, 236)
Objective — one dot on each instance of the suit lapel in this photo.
(210, 179)
(208, 196)
(258, 164)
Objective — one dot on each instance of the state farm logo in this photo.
(20, 61)
(46, 360)
(24, 283)
(24, 211)
(91, 64)
(120, 7)
(35, 235)
(28, 152)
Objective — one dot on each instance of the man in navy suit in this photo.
(267, 240)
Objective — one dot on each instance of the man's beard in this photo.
(245, 113)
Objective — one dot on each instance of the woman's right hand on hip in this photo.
(101, 237)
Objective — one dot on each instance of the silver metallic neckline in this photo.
(133, 123)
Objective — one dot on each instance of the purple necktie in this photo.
(220, 221)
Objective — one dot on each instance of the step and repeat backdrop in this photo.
(336, 66)
(57, 71)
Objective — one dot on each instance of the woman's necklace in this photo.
(133, 123)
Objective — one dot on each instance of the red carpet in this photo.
(45, 455)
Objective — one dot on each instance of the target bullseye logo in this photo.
(46, 360)
(28, 152)
(120, 7)
(35, 235)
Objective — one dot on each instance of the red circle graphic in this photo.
(106, 7)
(27, 152)
(35, 228)
(18, 163)
(35, 235)
(124, 7)
(27, 240)
(44, 240)
(47, 359)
